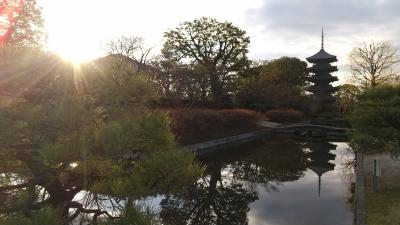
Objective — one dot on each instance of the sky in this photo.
(79, 29)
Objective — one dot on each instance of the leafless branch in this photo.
(374, 63)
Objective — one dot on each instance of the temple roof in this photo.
(319, 170)
(322, 55)
(320, 79)
(319, 67)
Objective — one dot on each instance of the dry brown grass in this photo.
(383, 207)
(7, 101)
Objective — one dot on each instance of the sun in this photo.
(72, 53)
(74, 49)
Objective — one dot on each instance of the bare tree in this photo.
(347, 98)
(374, 63)
(132, 48)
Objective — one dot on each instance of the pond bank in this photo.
(295, 130)
(382, 188)
(359, 195)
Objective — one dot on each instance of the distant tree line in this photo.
(205, 63)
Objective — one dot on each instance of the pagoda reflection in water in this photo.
(320, 155)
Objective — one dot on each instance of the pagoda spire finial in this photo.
(322, 39)
(319, 185)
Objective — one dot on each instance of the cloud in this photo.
(293, 27)
(340, 16)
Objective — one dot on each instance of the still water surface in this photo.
(270, 183)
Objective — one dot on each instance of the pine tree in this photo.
(81, 132)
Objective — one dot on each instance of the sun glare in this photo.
(73, 54)
(74, 45)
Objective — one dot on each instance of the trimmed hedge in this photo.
(284, 115)
(196, 125)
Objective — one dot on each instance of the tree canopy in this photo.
(86, 133)
(23, 24)
(219, 49)
(181, 81)
(21, 41)
(288, 70)
(280, 83)
(376, 120)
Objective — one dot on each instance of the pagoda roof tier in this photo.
(322, 56)
(319, 170)
(321, 146)
(322, 78)
(326, 99)
(321, 156)
(322, 164)
(315, 89)
(317, 68)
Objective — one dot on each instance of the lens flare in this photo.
(9, 10)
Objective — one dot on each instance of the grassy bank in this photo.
(383, 207)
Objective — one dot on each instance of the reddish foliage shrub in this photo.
(194, 125)
(284, 115)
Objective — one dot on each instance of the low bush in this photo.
(195, 125)
(284, 115)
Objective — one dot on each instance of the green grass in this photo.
(383, 207)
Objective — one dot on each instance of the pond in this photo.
(273, 182)
(269, 182)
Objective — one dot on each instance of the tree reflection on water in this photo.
(223, 195)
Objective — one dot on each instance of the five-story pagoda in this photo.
(323, 101)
